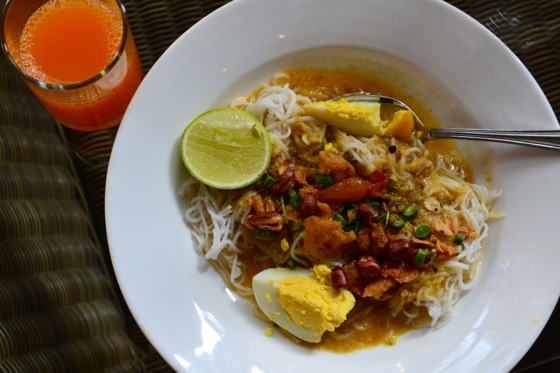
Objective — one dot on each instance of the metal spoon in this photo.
(546, 139)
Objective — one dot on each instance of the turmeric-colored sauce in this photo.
(318, 83)
(377, 326)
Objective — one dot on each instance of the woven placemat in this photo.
(59, 309)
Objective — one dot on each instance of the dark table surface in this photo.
(530, 28)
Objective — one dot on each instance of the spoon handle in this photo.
(546, 139)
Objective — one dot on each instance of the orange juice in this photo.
(70, 42)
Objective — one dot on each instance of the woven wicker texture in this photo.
(531, 29)
(60, 309)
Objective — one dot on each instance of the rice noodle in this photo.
(215, 216)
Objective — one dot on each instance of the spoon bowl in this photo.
(544, 139)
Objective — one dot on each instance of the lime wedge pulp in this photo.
(226, 148)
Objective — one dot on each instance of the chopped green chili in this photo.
(423, 231)
(410, 212)
(459, 238)
(323, 180)
(421, 255)
(264, 235)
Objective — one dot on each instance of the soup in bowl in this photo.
(438, 60)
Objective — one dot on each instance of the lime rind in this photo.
(226, 148)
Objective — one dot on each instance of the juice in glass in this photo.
(78, 57)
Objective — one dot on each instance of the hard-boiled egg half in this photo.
(301, 301)
(361, 118)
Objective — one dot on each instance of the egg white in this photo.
(265, 286)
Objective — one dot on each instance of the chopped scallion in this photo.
(376, 204)
(459, 238)
(296, 226)
(323, 180)
(421, 255)
(349, 207)
(423, 231)
(410, 212)
(295, 199)
(358, 224)
(384, 217)
(292, 263)
(341, 218)
(268, 182)
(283, 205)
(396, 221)
(264, 235)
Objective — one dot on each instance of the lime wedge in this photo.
(226, 148)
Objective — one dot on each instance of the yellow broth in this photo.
(377, 326)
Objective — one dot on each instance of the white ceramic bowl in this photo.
(459, 69)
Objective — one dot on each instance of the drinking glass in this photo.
(62, 71)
